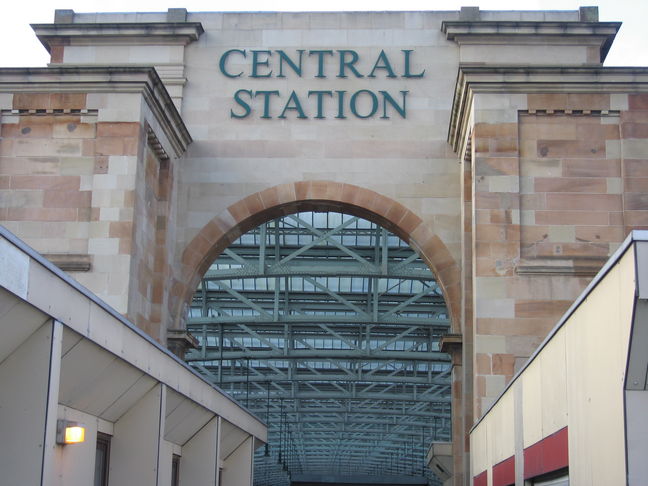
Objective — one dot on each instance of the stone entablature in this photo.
(504, 79)
(94, 79)
(527, 33)
(158, 43)
(145, 33)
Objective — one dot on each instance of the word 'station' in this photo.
(322, 64)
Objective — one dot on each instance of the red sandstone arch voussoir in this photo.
(290, 198)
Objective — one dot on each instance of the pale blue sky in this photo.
(21, 48)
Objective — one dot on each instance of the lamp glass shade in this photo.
(74, 434)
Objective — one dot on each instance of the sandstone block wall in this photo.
(86, 178)
(555, 193)
(150, 267)
(68, 185)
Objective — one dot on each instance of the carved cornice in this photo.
(115, 79)
(473, 79)
(129, 33)
(154, 143)
(529, 32)
(457, 28)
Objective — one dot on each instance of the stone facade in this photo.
(551, 203)
(85, 181)
(515, 163)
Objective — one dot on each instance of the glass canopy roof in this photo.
(327, 326)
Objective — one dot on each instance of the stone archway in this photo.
(308, 196)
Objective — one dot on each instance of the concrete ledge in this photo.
(69, 262)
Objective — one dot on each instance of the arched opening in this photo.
(300, 196)
(327, 326)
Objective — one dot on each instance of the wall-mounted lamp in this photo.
(69, 432)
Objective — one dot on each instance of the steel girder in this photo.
(328, 327)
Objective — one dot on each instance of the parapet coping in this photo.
(102, 79)
(457, 28)
(633, 237)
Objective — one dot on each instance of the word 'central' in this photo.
(345, 61)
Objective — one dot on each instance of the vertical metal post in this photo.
(287, 338)
(262, 248)
(412, 453)
(385, 248)
(203, 344)
(247, 382)
(268, 406)
(423, 450)
(221, 344)
(279, 460)
(203, 294)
